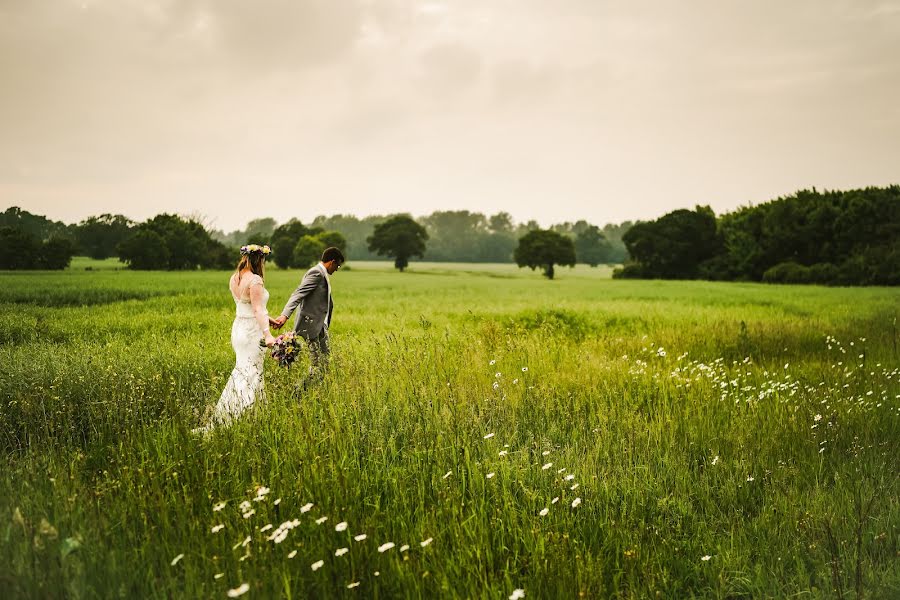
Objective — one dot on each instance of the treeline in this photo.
(172, 242)
(830, 238)
(453, 236)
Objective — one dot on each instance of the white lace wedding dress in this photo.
(245, 385)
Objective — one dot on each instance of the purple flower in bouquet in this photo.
(286, 349)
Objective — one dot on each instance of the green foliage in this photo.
(103, 486)
(56, 253)
(399, 237)
(544, 249)
(20, 249)
(834, 238)
(673, 246)
(285, 239)
(591, 246)
(35, 225)
(333, 239)
(308, 251)
(99, 237)
(172, 243)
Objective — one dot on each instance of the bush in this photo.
(56, 253)
(787, 272)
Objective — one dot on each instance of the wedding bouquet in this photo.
(286, 349)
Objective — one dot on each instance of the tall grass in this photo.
(726, 441)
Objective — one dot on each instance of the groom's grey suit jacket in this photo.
(313, 296)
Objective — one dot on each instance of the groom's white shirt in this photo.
(321, 267)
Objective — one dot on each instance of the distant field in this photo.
(583, 437)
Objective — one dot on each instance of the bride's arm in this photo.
(257, 301)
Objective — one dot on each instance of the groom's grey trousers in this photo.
(313, 297)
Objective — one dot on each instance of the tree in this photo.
(544, 248)
(145, 250)
(56, 253)
(399, 237)
(284, 239)
(99, 236)
(333, 239)
(37, 225)
(591, 246)
(19, 249)
(675, 245)
(308, 251)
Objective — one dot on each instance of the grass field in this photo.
(584, 437)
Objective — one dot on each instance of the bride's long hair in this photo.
(255, 261)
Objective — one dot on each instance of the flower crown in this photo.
(255, 249)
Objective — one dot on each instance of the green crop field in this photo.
(583, 437)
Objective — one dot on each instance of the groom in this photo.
(313, 296)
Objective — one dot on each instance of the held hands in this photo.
(278, 322)
(270, 341)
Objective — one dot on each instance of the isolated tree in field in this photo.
(543, 248)
(400, 238)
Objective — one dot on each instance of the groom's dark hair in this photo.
(333, 254)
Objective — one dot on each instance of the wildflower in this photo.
(218, 575)
(404, 547)
(341, 526)
(350, 586)
(249, 513)
(292, 554)
(504, 452)
(576, 502)
(261, 493)
(705, 558)
(569, 477)
(239, 590)
(219, 506)
(817, 418)
(244, 506)
(496, 386)
(277, 501)
(560, 470)
(386, 546)
(715, 460)
(447, 474)
(360, 537)
(493, 362)
(424, 543)
(750, 478)
(306, 507)
(176, 559)
(555, 500)
(524, 369)
(574, 487)
(497, 375)
(321, 520)
(515, 382)
(544, 512)
(265, 528)
(545, 453)
(218, 528)
(517, 594)
(489, 475)
(341, 551)
(317, 565)
(547, 466)
(489, 436)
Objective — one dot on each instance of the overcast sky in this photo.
(552, 110)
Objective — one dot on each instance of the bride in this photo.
(251, 324)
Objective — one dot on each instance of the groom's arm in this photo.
(308, 284)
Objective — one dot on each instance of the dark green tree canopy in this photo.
(399, 237)
(676, 243)
(284, 241)
(173, 243)
(542, 248)
(98, 237)
(591, 246)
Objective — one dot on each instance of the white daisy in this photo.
(547, 466)
(576, 502)
(386, 546)
(292, 554)
(219, 506)
(317, 565)
(321, 520)
(517, 594)
(217, 528)
(341, 551)
(424, 543)
(176, 559)
(360, 537)
(489, 436)
(239, 590)
(544, 512)
(341, 526)
(306, 507)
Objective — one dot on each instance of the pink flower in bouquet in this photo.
(286, 349)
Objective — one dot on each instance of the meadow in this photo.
(482, 433)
